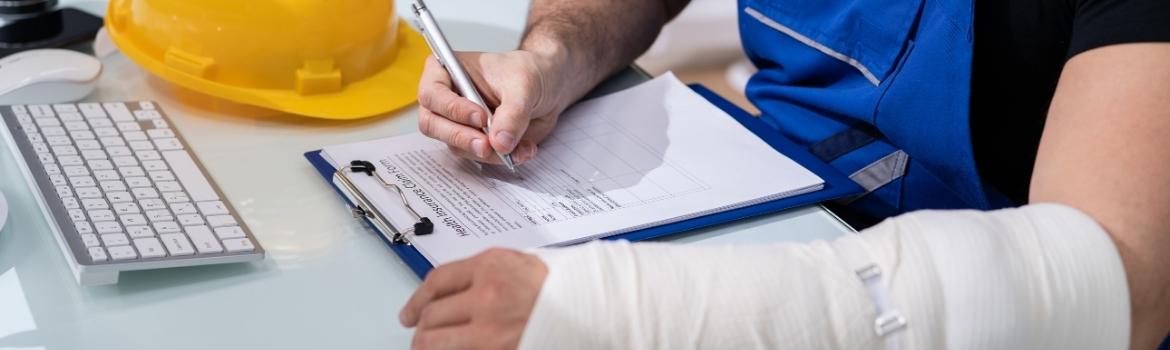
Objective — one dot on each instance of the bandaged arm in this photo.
(1040, 276)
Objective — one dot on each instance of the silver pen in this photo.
(446, 56)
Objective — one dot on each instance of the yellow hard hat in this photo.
(335, 59)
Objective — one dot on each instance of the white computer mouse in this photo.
(47, 76)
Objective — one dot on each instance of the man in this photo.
(949, 97)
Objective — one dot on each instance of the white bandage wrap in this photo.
(1040, 276)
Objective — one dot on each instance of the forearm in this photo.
(1104, 151)
(592, 39)
(1036, 277)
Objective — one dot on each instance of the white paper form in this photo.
(650, 155)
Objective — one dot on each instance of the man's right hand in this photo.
(520, 86)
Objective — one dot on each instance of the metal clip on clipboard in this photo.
(364, 208)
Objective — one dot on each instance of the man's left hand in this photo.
(482, 302)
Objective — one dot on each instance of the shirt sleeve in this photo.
(1099, 23)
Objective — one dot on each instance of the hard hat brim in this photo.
(394, 87)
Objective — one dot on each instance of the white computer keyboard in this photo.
(122, 190)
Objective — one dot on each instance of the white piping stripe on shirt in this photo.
(812, 43)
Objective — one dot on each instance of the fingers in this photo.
(523, 153)
(465, 138)
(446, 338)
(452, 310)
(436, 94)
(442, 281)
(508, 125)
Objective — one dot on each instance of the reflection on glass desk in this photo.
(328, 281)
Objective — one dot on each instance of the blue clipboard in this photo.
(836, 186)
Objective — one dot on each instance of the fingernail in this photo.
(477, 118)
(402, 317)
(506, 139)
(526, 152)
(478, 148)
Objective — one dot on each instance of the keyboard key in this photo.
(64, 150)
(166, 227)
(104, 131)
(97, 254)
(94, 204)
(102, 215)
(221, 220)
(113, 239)
(70, 160)
(89, 192)
(70, 203)
(160, 133)
(76, 170)
(58, 140)
(84, 135)
(152, 204)
(88, 144)
(91, 110)
(148, 155)
(229, 232)
(176, 244)
(113, 141)
(126, 208)
(160, 124)
(52, 169)
(94, 154)
(100, 164)
(64, 191)
(132, 171)
(47, 158)
(118, 111)
(183, 208)
(58, 180)
(147, 115)
(125, 161)
(123, 252)
(134, 136)
(133, 219)
(108, 227)
(144, 193)
(90, 240)
(119, 197)
(190, 176)
(154, 165)
(83, 227)
(128, 126)
(238, 245)
(175, 197)
(147, 105)
(76, 125)
(138, 181)
(190, 219)
(150, 247)
(168, 186)
(161, 175)
(140, 231)
(46, 122)
(203, 240)
(120, 151)
(82, 181)
(70, 117)
(212, 208)
(141, 145)
(113, 186)
(159, 215)
(19, 109)
(76, 214)
(168, 144)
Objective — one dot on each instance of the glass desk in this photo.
(327, 283)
